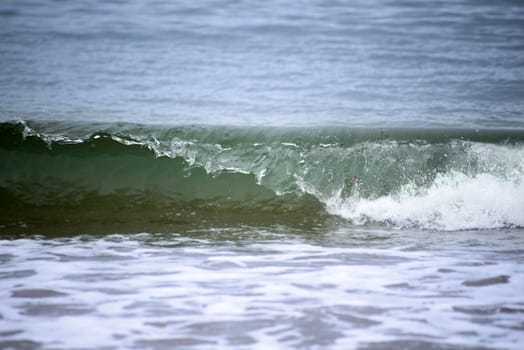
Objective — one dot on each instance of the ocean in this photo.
(262, 175)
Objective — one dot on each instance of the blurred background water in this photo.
(430, 63)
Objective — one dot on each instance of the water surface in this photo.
(254, 175)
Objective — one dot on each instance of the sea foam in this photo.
(490, 197)
(453, 202)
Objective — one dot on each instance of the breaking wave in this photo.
(437, 179)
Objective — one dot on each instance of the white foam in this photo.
(454, 201)
(140, 291)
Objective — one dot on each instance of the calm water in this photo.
(452, 63)
(262, 175)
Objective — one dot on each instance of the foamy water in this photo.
(489, 194)
(453, 202)
(260, 288)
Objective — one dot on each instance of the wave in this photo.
(438, 179)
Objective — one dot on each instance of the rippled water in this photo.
(265, 288)
(447, 63)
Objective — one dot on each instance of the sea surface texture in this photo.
(262, 175)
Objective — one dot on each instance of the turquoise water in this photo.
(254, 175)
